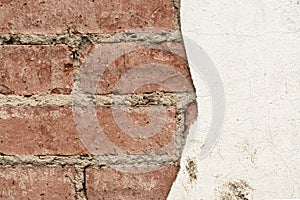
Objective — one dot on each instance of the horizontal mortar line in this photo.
(156, 98)
(91, 38)
(94, 161)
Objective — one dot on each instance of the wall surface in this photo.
(255, 46)
(96, 99)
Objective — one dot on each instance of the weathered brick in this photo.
(139, 71)
(35, 69)
(138, 130)
(105, 16)
(108, 183)
(52, 130)
(38, 131)
(37, 183)
(191, 114)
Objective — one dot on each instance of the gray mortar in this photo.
(76, 40)
(79, 183)
(156, 98)
(176, 4)
(86, 161)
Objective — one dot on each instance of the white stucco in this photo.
(255, 46)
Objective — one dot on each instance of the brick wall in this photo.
(51, 108)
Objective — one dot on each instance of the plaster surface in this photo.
(255, 46)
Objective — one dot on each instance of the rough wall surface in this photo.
(255, 45)
(49, 145)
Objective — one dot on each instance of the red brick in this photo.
(129, 73)
(38, 131)
(100, 16)
(50, 130)
(191, 114)
(35, 69)
(37, 183)
(138, 137)
(108, 183)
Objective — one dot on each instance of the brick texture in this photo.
(108, 183)
(191, 114)
(38, 131)
(134, 130)
(141, 71)
(35, 69)
(37, 183)
(51, 130)
(55, 150)
(92, 16)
